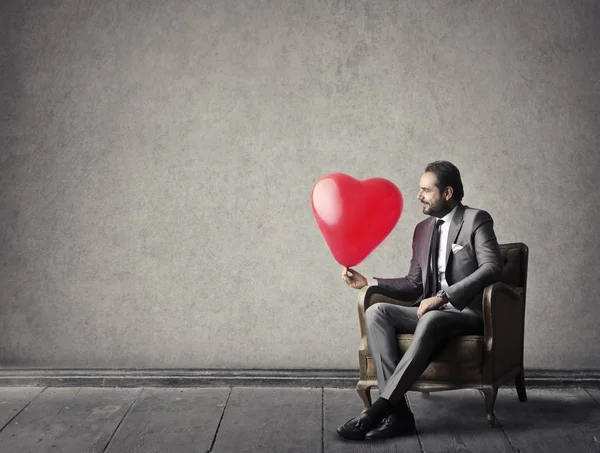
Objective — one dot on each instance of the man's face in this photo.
(434, 201)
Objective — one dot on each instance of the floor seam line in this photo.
(591, 396)
(515, 449)
(214, 440)
(24, 407)
(121, 421)
(408, 403)
(93, 449)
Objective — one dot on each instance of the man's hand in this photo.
(431, 303)
(353, 278)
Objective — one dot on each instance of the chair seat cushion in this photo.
(460, 360)
(467, 348)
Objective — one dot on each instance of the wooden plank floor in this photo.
(285, 420)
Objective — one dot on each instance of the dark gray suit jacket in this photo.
(468, 271)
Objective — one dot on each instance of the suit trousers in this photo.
(431, 333)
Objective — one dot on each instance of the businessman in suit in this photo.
(455, 255)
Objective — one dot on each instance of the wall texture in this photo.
(157, 159)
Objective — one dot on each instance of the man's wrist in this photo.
(444, 296)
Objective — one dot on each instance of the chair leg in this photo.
(425, 394)
(364, 391)
(490, 393)
(520, 385)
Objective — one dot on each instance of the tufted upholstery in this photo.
(483, 361)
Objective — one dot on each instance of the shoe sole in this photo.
(359, 437)
(403, 433)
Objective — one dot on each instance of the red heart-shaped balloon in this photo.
(355, 216)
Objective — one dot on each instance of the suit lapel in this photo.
(455, 227)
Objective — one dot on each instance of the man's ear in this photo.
(448, 192)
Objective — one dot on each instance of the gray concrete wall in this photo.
(157, 159)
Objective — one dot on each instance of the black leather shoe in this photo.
(392, 426)
(356, 428)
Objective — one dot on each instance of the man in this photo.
(455, 255)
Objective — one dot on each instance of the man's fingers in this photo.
(350, 276)
(348, 273)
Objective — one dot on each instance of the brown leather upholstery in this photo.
(482, 362)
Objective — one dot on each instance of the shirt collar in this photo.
(448, 217)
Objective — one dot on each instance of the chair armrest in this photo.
(504, 321)
(370, 295)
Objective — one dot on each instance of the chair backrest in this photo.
(515, 256)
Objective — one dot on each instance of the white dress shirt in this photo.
(443, 239)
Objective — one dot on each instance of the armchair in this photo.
(472, 361)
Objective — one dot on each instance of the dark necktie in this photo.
(433, 253)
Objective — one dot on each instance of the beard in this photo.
(433, 210)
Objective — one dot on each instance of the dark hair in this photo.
(447, 175)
